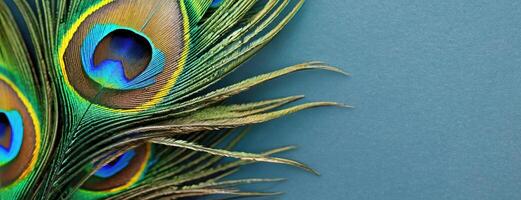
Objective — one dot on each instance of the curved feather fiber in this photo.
(116, 100)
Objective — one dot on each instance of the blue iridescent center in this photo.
(11, 128)
(116, 165)
(120, 58)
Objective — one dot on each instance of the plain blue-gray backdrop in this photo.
(436, 87)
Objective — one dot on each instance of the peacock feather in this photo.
(111, 99)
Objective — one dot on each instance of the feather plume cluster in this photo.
(106, 99)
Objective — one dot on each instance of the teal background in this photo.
(436, 90)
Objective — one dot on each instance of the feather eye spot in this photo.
(121, 173)
(129, 61)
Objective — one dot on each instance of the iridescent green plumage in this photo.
(118, 88)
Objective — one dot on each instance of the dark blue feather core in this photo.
(116, 165)
(128, 45)
(120, 58)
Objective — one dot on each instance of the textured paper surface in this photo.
(436, 86)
